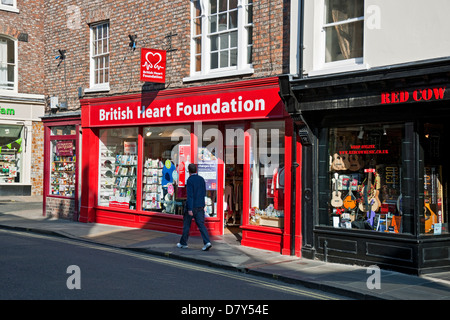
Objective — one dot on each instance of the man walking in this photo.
(195, 208)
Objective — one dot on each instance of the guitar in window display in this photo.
(370, 201)
(336, 200)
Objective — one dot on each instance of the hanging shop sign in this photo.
(249, 104)
(418, 95)
(153, 65)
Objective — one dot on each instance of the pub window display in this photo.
(365, 178)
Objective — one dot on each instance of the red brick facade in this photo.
(67, 27)
(25, 25)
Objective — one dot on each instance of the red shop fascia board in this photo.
(251, 99)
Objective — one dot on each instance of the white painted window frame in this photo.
(16, 72)
(320, 66)
(206, 72)
(10, 8)
(100, 87)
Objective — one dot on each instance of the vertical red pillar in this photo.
(287, 232)
(89, 175)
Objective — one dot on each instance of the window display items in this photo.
(118, 168)
(10, 153)
(364, 176)
(62, 179)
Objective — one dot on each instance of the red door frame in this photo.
(48, 124)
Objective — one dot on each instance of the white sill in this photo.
(215, 75)
(8, 8)
(98, 88)
(338, 68)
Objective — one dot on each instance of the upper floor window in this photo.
(221, 37)
(7, 64)
(8, 5)
(344, 28)
(100, 56)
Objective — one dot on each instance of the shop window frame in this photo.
(48, 157)
(410, 189)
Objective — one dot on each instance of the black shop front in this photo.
(375, 166)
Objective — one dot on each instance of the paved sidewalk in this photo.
(25, 214)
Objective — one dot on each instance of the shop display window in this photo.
(11, 143)
(167, 152)
(267, 187)
(118, 168)
(208, 154)
(435, 172)
(63, 168)
(365, 179)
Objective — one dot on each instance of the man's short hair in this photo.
(192, 168)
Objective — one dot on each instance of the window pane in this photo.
(233, 57)
(166, 154)
(267, 174)
(233, 4)
(222, 22)
(118, 168)
(364, 180)
(207, 160)
(198, 63)
(13, 144)
(197, 26)
(249, 18)
(62, 176)
(198, 45)
(213, 24)
(435, 190)
(224, 41)
(223, 5)
(233, 39)
(8, 2)
(224, 59)
(233, 23)
(341, 10)
(198, 8)
(344, 41)
(213, 6)
(214, 43)
(214, 60)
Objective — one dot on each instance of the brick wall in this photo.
(30, 21)
(67, 27)
(37, 159)
(60, 208)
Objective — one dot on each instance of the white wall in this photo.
(396, 31)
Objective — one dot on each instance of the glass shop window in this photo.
(167, 153)
(267, 187)
(435, 173)
(118, 168)
(364, 178)
(11, 147)
(63, 168)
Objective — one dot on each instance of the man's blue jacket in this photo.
(196, 192)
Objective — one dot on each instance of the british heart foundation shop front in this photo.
(136, 149)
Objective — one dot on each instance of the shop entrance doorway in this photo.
(234, 179)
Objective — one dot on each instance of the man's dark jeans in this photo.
(199, 217)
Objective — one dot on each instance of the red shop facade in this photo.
(136, 148)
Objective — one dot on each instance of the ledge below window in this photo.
(217, 75)
(97, 88)
(8, 8)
